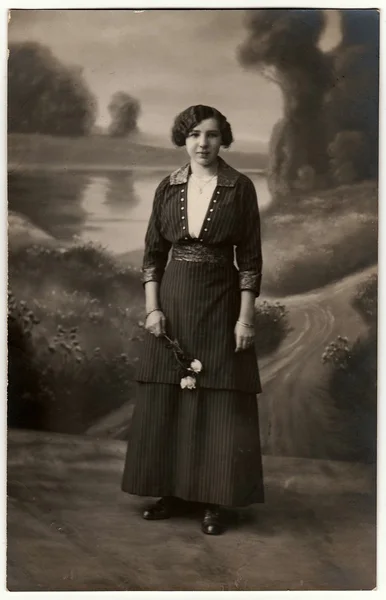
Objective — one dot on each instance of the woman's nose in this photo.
(203, 141)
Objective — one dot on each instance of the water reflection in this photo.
(117, 208)
(119, 192)
(111, 209)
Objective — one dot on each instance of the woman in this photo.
(197, 439)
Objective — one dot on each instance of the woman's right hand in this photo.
(156, 323)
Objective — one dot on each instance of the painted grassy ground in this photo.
(75, 331)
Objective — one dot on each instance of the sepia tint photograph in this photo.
(192, 299)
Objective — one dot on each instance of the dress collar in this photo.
(226, 176)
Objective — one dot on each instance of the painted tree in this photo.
(349, 156)
(329, 98)
(44, 95)
(352, 104)
(282, 45)
(124, 111)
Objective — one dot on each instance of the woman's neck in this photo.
(201, 171)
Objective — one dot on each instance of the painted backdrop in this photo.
(92, 97)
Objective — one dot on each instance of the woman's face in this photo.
(203, 142)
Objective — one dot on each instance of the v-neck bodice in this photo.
(226, 217)
(198, 205)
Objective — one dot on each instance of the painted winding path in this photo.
(296, 416)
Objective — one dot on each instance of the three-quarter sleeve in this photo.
(156, 246)
(248, 251)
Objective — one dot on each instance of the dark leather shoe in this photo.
(164, 508)
(212, 523)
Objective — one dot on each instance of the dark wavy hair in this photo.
(190, 117)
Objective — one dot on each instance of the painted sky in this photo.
(168, 59)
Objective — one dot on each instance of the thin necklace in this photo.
(198, 179)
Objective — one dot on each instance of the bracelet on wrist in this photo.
(245, 324)
(153, 310)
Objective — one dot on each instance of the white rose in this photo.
(191, 382)
(196, 365)
(188, 382)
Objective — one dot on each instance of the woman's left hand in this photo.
(244, 336)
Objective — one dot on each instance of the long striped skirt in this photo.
(200, 445)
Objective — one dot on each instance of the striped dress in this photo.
(203, 444)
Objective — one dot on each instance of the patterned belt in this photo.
(197, 252)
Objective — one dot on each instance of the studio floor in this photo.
(70, 528)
